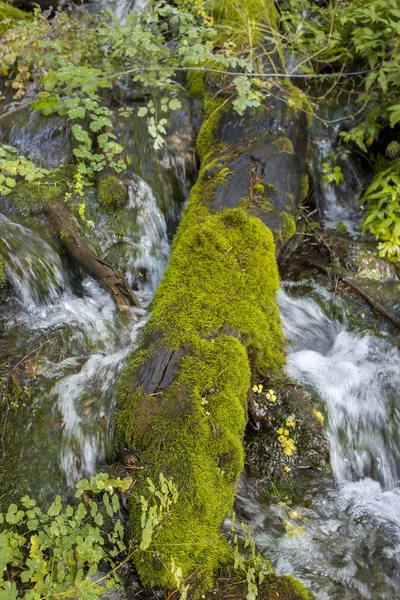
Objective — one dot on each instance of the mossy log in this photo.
(182, 401)
(93, 265)
(215, 326)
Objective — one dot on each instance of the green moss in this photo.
(284, 145)
(288, 227)
(31, 197)
(207, 141)
(9, 15)
(196, 83)
(112, 193)
(302, 593)
(297, 101)
(217, 301)
(305, 187)
(259, 188)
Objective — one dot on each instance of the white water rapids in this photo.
(344, 540)
(83, 382)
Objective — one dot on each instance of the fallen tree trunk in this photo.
(215, 327)
(93, 265)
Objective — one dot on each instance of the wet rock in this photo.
(292, 420)
(43, 139)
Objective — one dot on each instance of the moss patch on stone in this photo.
(32, 197)
(217, 302)
(207, 140)
(112, 193)
(9, 15)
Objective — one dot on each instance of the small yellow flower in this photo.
(260, 388)
(288, 451)
(286, 432)
(287, 469)
(319, 416)
(272, 392)
(279, 431)
(255, 388)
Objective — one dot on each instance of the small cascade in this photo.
(143, 252)
(358, 378)
(150, 241)
(78, 385)
(344, 539)
(338, 205)
(33, 266)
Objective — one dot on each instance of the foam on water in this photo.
(81, 385)
(346, 543)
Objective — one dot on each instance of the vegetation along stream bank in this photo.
(199, 299)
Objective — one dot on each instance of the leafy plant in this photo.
(56, 553)
(383, 213)
(253, 567)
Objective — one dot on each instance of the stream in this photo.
(342, 537)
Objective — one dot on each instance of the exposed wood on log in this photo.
(92, 264)
(376, 306)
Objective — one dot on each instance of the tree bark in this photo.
(92, 264)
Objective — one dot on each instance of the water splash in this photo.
(358, 378)
(33, 266)
(79, 384)
(144, 252)
(344, 541)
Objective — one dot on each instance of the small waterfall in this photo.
(358, 378)
(144, 252)
(33, 267)
(337, 204)
(344, 539)
(79, 385)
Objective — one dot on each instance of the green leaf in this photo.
(174, 104)
(142, 112)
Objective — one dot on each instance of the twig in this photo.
(376, 306)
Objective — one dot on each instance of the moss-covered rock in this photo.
(112, 193)
(9, 15)
(32, 196)
(216, 311)
(272, 588)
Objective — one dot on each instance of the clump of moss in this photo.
(9, 15)
(217, 301)
(112, 193)
(284, 145)
(196, 83)
(207, 142)
(31, 197)
(288, 227)
(297, 101)
(305, 186)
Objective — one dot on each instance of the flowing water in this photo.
(78, 385)
(344, 538)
